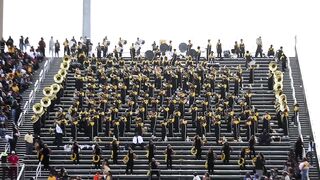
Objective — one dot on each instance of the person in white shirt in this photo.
(304, 169)
(51, 46)
(58, 134)
(137, 141)
(196, 177)
(259, 47)
(28, 138)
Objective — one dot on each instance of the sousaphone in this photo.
(47, 91)
(45, 102)
(58, 79)
(37, 108)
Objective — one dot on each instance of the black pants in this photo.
(198, 155)
(259, 51)
(252, 151)
(76, 161)
(156, 172)
(169, 162)
(129, 166)
(210, 168)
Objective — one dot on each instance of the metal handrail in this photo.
(38, 171)
(21, 172)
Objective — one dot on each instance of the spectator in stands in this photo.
(105, 167)
(247, 176)
(26, 43)
(57, 48)
(63, 174)
(28, 138)
(206, 176)
(137, 141)
(195, 176)
(259, 47)
(270, 51)
(58, 135)
(298, 149)
(51, 176)
(286, 175)
(154, 168)
(304, 169)
(42, 47)
(13, 160)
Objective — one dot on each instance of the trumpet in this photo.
(193, 150)
(58, 78)
(125, 159)
(47, 91)
(254, 160)
(45, 102)
(37, 108)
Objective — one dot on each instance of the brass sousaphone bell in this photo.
(55, 88)
(63, 72)
(45, 102)
(58, 79)
(65, 65)
(277, 87)
(273, 66)
(37, 108)
(34, 118)
(47, 91)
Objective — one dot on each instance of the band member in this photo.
(226, 149)
(198, 144)
(97, 152)
(183, 125)
(132, 52)
(163, 130)
(243, 158)
(271, 51)
(189, 47)
(115, 147)
(259, 47)
(270, 80)
(219, 49)
(131, 156)
(242, 48)
(236, 128)
(217, 126)
(283, 59)
(248, 58)
(198, 55)
(266, 122)
(295, 114)
(169, 152)
(285, 122)
(174, 57)
(211, 156)
(154, 168)
(46, 151)
(236, 49)
(208, 48)
(248, 127)
(75, 151)
(252, 143)
(151, 150)
(170, 46)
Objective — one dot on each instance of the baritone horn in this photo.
(273, 66)
(47, 91)
(45, 102)
(37, 108)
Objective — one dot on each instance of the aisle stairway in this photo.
(184, 164)
(304, 115)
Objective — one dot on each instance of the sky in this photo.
(229, 20)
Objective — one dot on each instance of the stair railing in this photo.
(295, 101)
(38, 171)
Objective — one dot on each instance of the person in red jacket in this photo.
(13, 159)
(96, 176)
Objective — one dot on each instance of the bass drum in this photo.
(149, 55)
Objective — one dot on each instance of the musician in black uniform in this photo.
(189, 46)
(208, 48)
(243, 156)
(132, 52)
(270, 51)
(248, 58)
(259, 46)
(219, 49)
(131, 155)
(183, 125)
(163, 130)
(169, 153)
(115, 147)
(217, 125)
(198, 144)
(151, 149)
(283, 59)
(97, 152)
(75, 150)
(236, 49)
(226, 149)
(198, 54)
(210, 161)
(242, 48)
(252, 143)
(154, 165)
(46, 151)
